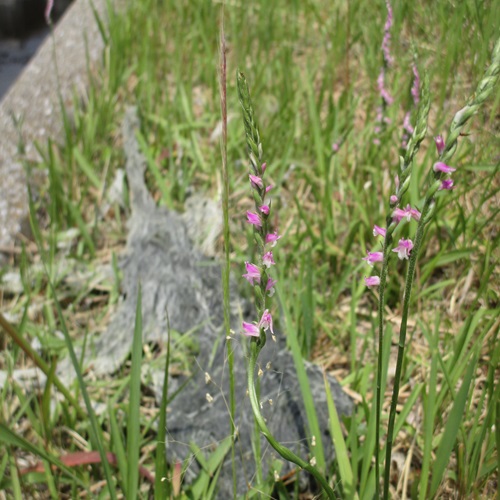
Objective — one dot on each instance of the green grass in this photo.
(312, 68)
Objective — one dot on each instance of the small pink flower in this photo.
(268, 260)
(254, 219)
(442, 167)
(253, 273)
(393, 199)
(251, 329)
(415, 89)
(406, 213)
(407, 124)
(256, 181)
(404, 248)
(335, 147)
(263, 167)
(384, 93)
(373, 257)
(268, 188)
(264, 209)
(446, 184)
(270, 286)
(439, 144)
(379, 231)
(272, 238)
(372, 281)
(266, 322)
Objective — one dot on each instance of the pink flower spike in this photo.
(251, 329)
(270, 286)
(372, 257)
(379, 231)
(439, 144)
(442, 167)
(387, 36)
(446, 184)
(254, 219)
(372, 281)
(268, 260)
(253, 273)
(266, 322)
(256, 181)
(404, 248)
(272, 238)
(264, 209)
(268, 188)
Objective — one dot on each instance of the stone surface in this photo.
(174, 276)
(30, 111)
(177, 278)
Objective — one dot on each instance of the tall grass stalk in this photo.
(226, 267)
(483, 90)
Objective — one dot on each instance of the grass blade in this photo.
(162, 486)
(118, 448)
(342, 457)
(133, 417)
(451, 429)
(95, 431)
(305, 388)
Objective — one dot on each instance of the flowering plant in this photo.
(259, 275)
(408, 249)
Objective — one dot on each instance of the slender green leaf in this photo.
(162, 486)
(451, 429)
(305, 389)
(339, 444)
(133, 416)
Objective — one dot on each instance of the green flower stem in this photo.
(255, 154)
(255, 348)
(406, 167)
(381, 304)
(401, 346)
(484, 89)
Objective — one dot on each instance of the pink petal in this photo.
(250, 329)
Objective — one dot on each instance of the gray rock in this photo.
(194, 418)
(174, 277)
